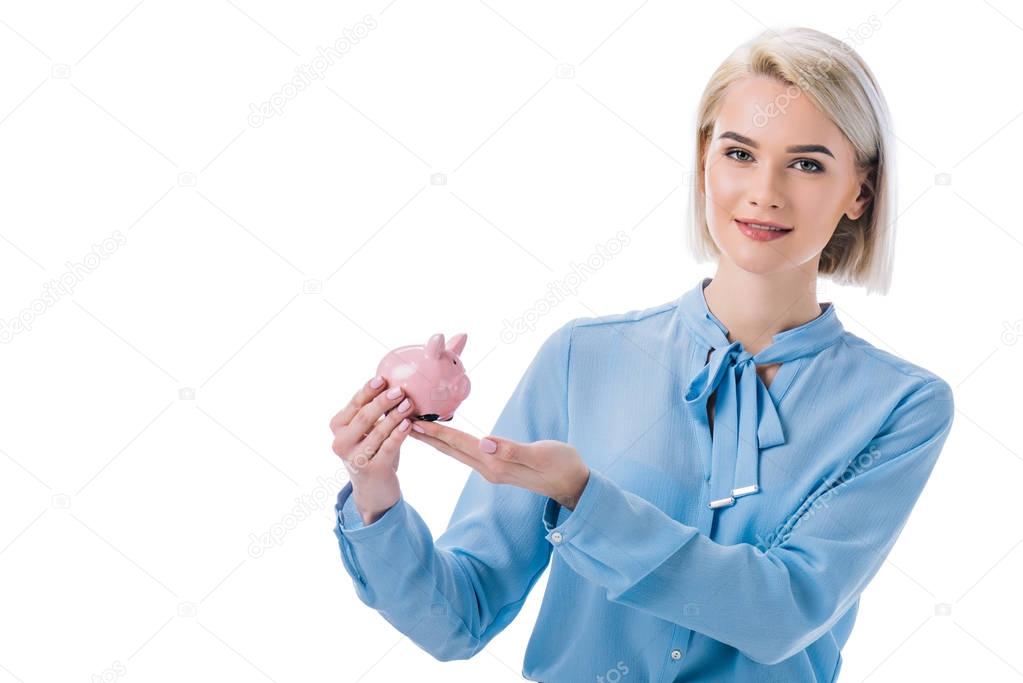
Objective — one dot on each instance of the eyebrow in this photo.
(794, 148)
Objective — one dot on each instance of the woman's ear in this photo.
(866, 182)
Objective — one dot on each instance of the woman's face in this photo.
(753, 170)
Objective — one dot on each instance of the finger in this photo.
(363, 396)
(492, 469)
(513, 451)
(443, 447)
(385, 425)
(355, 459)
(454, 438)
(368, 414)
(387, 454)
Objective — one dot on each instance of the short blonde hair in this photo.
(840, 84)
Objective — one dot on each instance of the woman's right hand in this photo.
(367, 436)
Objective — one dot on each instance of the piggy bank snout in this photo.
(463, 387)
(457, 389)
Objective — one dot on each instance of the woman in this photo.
(713, 480)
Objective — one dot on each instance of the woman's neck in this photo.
(756, 307)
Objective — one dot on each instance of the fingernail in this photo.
(394, 392)
(377, 382)
(403, 425)
(488, 446)
(417, 428)
(403, 406)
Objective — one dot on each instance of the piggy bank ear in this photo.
(457, 343)
(435, 346)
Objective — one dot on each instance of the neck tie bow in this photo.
(746, 419)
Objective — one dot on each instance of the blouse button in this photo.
(676, 655)
(556, 537)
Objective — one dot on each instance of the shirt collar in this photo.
(745, 417)
(804, 340)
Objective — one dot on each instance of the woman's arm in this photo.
(770, 604)
(452, 596)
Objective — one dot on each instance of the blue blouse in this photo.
(727, 551)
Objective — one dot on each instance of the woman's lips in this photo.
(759, 234)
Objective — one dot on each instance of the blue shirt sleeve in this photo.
(452, 596)
(769, 603)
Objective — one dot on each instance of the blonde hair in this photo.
(841, 85)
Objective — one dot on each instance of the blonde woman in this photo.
(714, 480)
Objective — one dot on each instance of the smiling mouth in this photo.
(771, 227)
(761, 233)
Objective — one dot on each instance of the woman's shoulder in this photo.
(881, 363)
(909, 393)
(640, 339)
(652, 318)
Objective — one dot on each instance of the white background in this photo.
(173, 406)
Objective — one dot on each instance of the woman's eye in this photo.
(814, 166)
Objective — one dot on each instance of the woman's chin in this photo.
(758, 259)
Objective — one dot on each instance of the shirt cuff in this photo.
(350, 523)
(577, 515)
(614, 537)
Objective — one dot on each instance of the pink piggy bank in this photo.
(432, 376)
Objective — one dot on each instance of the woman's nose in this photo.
(765, 192)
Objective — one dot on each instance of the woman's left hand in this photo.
(550, 468)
